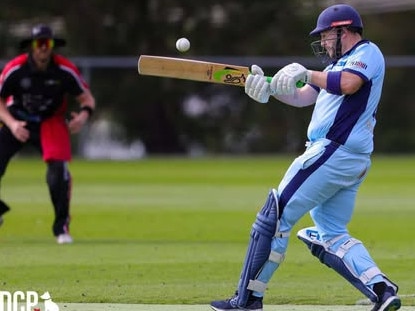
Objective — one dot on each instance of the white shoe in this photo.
(64, 238)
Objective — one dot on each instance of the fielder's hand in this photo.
(285, 80)
(19, 130)
(77, 121)
(256, 85)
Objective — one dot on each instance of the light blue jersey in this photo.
(324, 180)
(349, 120)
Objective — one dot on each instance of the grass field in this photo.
(174, 231)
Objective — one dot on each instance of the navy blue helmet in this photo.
(339, 15)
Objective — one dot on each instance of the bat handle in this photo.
(299, 84)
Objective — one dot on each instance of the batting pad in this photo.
(334, 255)
(259, 248)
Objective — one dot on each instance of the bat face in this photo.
(189, 69)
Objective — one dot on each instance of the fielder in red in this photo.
(33, 108)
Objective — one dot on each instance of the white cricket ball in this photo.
(183, 44)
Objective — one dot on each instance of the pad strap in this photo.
(257, 286)
(282, 234)
(348, 244)
(369, 274)
(276, 257)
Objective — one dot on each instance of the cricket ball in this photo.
(183, 45)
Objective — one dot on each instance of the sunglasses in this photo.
(38, 43)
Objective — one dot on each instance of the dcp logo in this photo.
(26, 301)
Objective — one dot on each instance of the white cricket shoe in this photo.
(64, 238)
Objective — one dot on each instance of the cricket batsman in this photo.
(324, 180)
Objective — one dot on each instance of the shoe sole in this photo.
(64, 242)
(391, 304)
(216, 309)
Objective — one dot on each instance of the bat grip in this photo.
(299, 84)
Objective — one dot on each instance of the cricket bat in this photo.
(188, 69)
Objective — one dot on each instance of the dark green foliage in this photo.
(152, 108)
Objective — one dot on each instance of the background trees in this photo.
(176, 116)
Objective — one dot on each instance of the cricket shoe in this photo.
(253, 304)
(3, 209)
(389, 301)
(64, 238)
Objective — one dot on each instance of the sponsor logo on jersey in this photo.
(358, 64)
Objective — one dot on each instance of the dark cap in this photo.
(41, 31)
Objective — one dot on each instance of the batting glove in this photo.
(256, 85)
(285, 80)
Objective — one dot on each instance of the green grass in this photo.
(174, 231)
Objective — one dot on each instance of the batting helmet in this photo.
(337, 16)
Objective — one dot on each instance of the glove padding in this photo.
(256, 85)
(285, 80)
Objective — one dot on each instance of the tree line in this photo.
(177, 116)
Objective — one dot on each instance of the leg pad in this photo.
(337, 260)
(259, 252)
